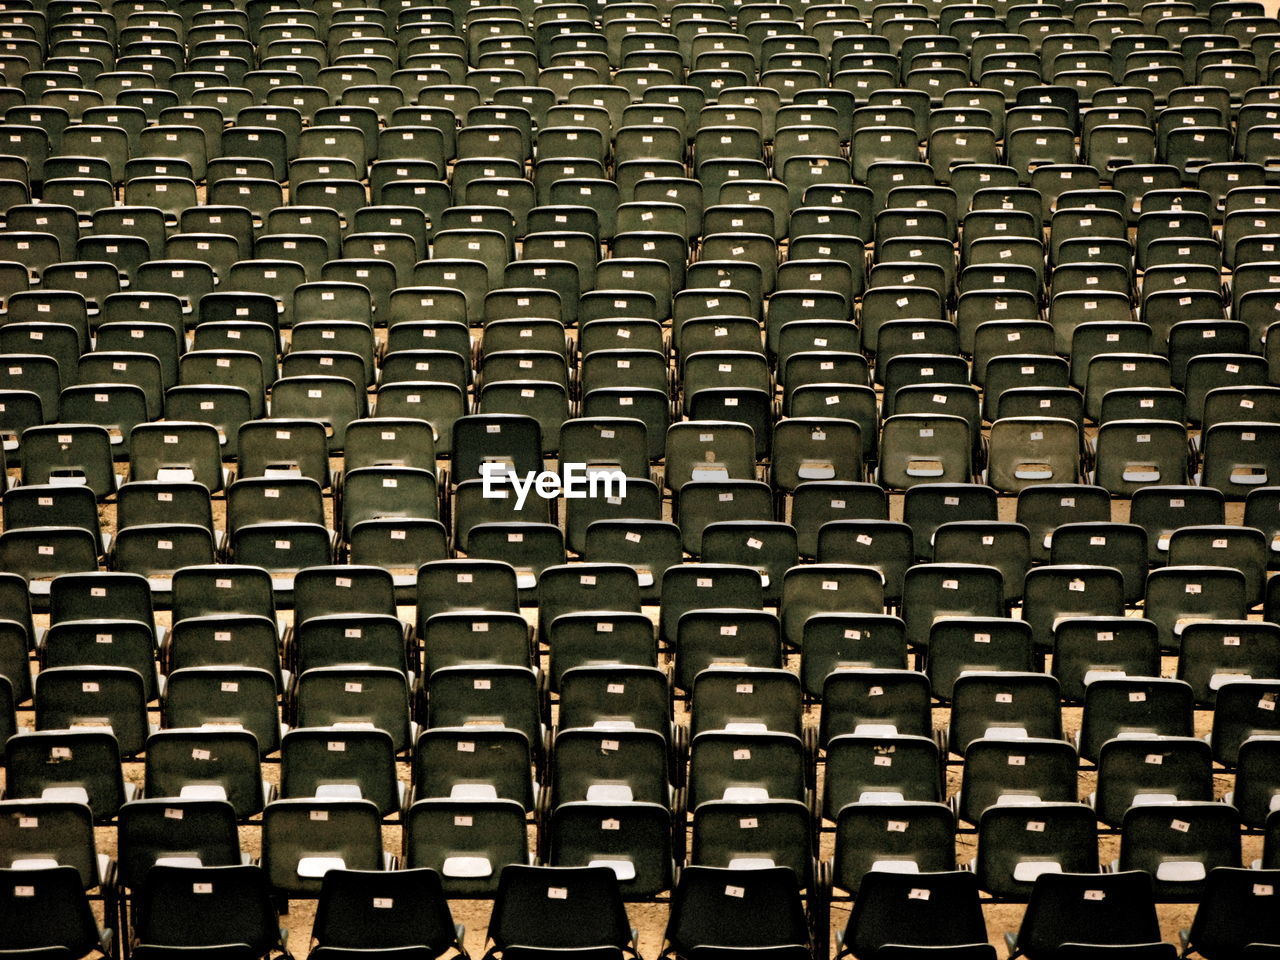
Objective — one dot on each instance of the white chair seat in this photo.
(609, 793)
(463, 867)
(1181, 871)
(1028, 870)
(622, 869)
(315, 867)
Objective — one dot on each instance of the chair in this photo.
(1053, 592)
(206, 764)
(1179, 597)
(633, 840)
(775, 833)
(1029, 450)
(1018, 844)
(303, 839)
(47, 908)
(111, 696)
(933, 591)
(372, 696)
(200, 832)
(857, 773)
(1162, 509)
(747, 765)
(727, 908)
(1105, 909)
(913, 909)
(1235, 910)
(188, 907)
(384, 910)
(1237, 459)
(48, 833)
(1153, 769)
(1216, 652)
(1243, 711)
(1015, 771)
(77, 765)
(1141, 705)
(1179, 843)
(1003, 705)
(1122, 546)
(1242, 548)
(900, 837)
(1043, 508)
(869, 702)
(1131, 454)
(558, 908)
(238, 696)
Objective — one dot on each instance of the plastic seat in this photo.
(588, 914)
(636, 847)
(47, 908)
(296, 853)
(1107, 909)
(191, 907)
(1179, 844)
(202, 765)
(1015, 771)
(941, 909)
(1018, 844)
(699, 902)
(92, 776)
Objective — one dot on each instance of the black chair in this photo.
(385, 909)
(914, 910)
(558, 908)
(718, 908)
(1110, 908)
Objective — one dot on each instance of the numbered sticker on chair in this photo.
(610, 824)
(1095, 895)
(919, 893)
(1182, 826)
(1017, 761)
(557, 893)
(736, 892)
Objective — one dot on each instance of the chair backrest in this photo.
(206, 906)
(925, 909)
(383, 909)
(559, 907)
(45, 908)
(724, 907)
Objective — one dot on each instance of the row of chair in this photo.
(715, 912)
